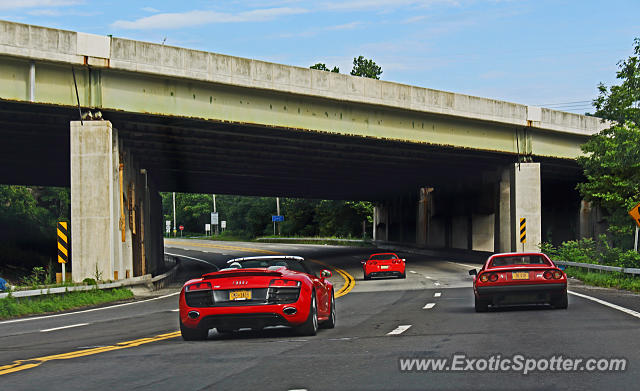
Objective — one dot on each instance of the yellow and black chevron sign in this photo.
(523, 230)
(63, 242)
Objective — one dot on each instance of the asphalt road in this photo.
(135, 345)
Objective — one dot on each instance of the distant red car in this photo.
(384, 265)
(258, 292)
(519, 278)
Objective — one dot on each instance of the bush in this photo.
(590, 251)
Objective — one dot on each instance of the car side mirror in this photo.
(404, 260)
(325, 273)
(473, 272)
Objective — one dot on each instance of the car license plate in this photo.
(239, 295)
(520, 275)
(384, 267)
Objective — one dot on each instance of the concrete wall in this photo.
(99, 249)
(525, 195)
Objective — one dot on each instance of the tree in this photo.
(612, 157)
(621, 103)
(323, 67)
(365, 68)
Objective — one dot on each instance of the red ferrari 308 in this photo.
(383, 265)
(519, 278)
(258, 292)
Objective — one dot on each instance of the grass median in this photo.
(605, 279)
(12, 307)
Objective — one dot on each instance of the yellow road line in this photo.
(21, 365)
(349, 281)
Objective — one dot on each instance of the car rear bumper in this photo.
(255, 317)
(521, 294)
(386, 273)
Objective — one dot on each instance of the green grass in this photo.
(321, 241)
(605, 279)
(11, 307)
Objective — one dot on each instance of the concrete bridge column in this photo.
(524, 202)
(381, 222)
(111, 214)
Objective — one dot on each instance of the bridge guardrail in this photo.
(157, 282)
(625, 270)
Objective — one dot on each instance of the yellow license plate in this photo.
(384, 267)
(239, 295)
(520, 275)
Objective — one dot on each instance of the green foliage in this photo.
(36, 277)
(612, 169)
(249, 217)
(607, 280)
(90, 281)
(12, 307)
(621, 103)
(365, 68)
(590, 251)
(323, 67)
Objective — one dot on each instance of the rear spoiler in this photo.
(242, 273)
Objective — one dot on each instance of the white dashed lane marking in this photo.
(399, 330)
(437, 294)
(429, 306)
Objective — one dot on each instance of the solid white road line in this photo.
(614, 306)
(465, 265)
(191, 258)
(437, 294)
(64, 327)
(91, 310)
(429, 306)
(399, 330)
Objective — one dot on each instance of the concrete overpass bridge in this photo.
(445, 169)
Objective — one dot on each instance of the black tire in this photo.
(367, 277)
(331, 322)
(310, 326)
(403, 276)
(189, 334)
(481, 305)
(223, 330)
(561, 303)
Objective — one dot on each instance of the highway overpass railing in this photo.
(602, 268)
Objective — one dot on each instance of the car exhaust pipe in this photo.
(290, 311)
(193, 314)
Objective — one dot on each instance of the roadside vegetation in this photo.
(11, 307)
(605, 279)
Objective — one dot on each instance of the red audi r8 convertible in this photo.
(258, 292)
(383, 265)
(519, 278)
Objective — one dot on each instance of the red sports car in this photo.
(383, 265)
(519, 278)
(258, 292)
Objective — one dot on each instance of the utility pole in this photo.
(278, 213)
(174, 214)
(215, 211)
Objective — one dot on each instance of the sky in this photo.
(550, 53)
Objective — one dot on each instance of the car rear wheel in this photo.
(403, 275)
(310, 326)
(562, 302)
(331, 322)
(367, 277)
(481, 305)
(189, 334)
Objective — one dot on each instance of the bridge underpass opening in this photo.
(427, 195)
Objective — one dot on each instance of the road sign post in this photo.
(523, 231)
(214, 220)
(276, 219)
(181, 229)
(63, 246)
(635, 215)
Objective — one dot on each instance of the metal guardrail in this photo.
(157, 282)
(625, 270)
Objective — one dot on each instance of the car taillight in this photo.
(199, 286)
(557, 274)
(280, 283)
(372, 262)
(547, 275)
(484, 278)
(493, 277)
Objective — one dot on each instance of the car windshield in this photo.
(379, 257)
(291, 264)
(519, 260)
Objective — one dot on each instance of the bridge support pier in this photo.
(520, 197)
(113, 208)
